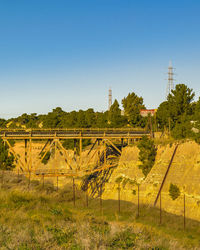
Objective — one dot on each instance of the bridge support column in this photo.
(98, 153)
(104, 152)
(55, 148)
(122, 143)
(80, 148)
(30, 154)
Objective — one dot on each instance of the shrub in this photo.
(99, 226)
(20, 199)
(174, 191)
(62, 237)
(6, 158)
(134, 192)
(46, 158)
(123, 240)
(147, 154)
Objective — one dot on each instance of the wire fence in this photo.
(83, 199)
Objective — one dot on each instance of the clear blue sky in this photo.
(67, 53)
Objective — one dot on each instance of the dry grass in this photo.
(43, 218)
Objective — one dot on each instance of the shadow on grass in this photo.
(171, 224)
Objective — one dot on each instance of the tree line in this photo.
(58, 118)
(179, 114)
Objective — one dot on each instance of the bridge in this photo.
(102, 140)
(82, 133)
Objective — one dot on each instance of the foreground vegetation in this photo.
(44, 218)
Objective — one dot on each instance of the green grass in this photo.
(38, 218)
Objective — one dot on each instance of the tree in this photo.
(2, 123)
(6, 158)
(178, 110)
(53, 119)
(147, 154)
(197, 111)
(101, 119)
(132, 105)
(162, 115)
(90, 118)
(179, 102)
(115, 117)
(182, 128)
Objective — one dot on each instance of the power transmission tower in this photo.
(170, 85)
(109, 98)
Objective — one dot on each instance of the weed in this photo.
(55, 211)
(123, 240)
(62, 238)
(99, 226)
(20, 199)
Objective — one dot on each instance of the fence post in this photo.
(87, 197)
(100, 199)
(184, 211)
(2, 176)
(29, 180)
(119, 197)
(138, 201)
(160, 209)
(74, 192)
(43, 181)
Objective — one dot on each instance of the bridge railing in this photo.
(70, 129)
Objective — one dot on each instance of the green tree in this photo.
(147, 154)
(196, 116)
(177, 111)
(183, 128)
(6, 158)
(163, 115)
(115, 117)
(90, 118)
(53, 119)
(2, 123)
(132, 105)
(81, 120)
(101, 119)
(180, 102)
(195, 123)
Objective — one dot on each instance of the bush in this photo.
(99, 226)
(174, 191)
(182, 130)
(62, 237)
(20, 199)
(147, 154)
(123, 240)
(6, 158)
(46, 158)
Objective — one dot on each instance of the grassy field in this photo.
(44, 218)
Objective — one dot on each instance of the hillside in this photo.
(184, 172)
(44, 218)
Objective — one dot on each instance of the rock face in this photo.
(184, 172)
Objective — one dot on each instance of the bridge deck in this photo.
(72, 133)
